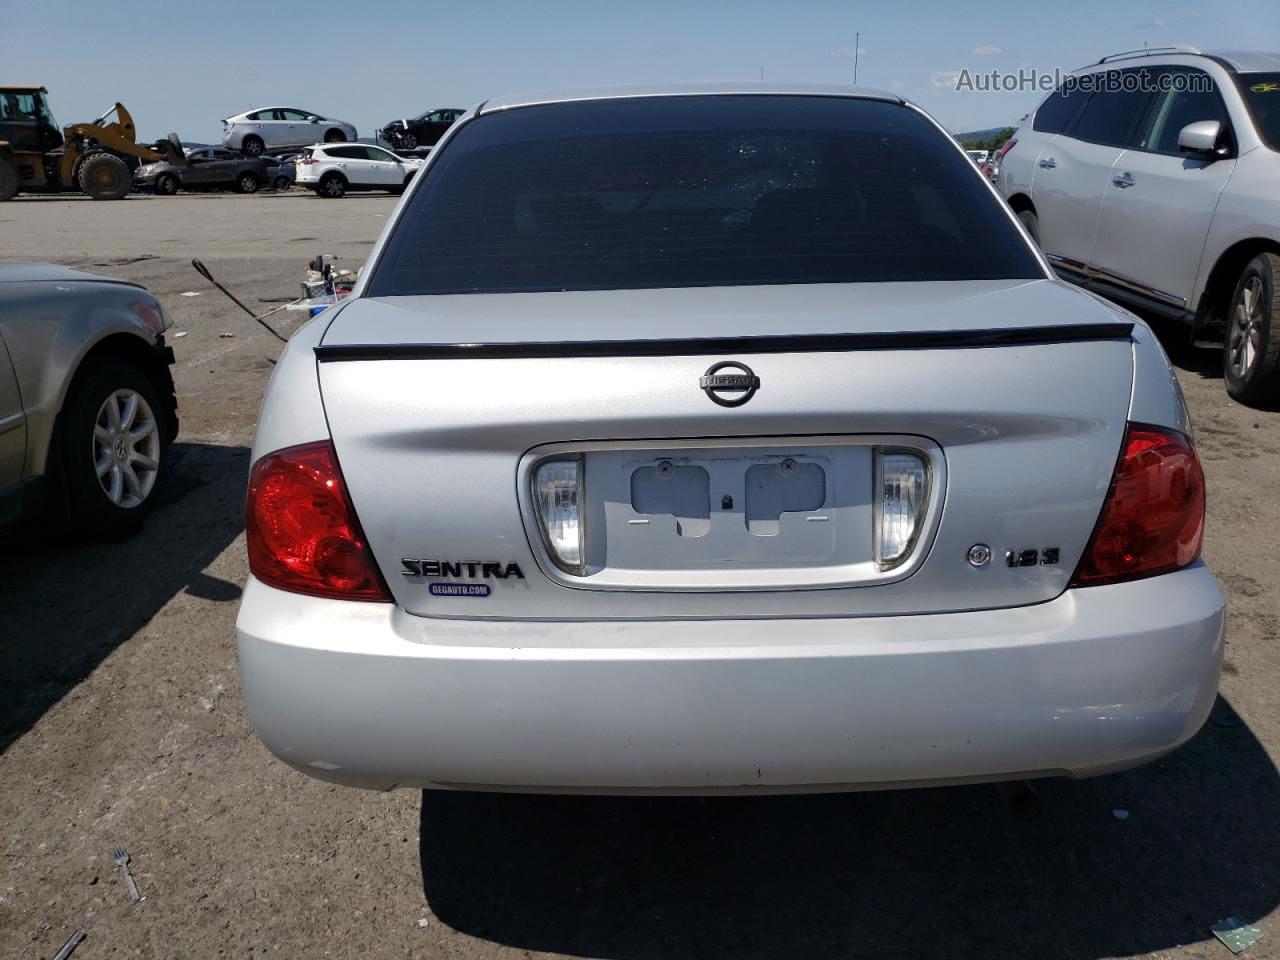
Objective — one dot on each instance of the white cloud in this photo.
(944, 79)
(986, 50)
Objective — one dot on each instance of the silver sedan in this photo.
(274, 128)
(87, 407)
(720, 439)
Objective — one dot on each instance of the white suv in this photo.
(333, 169)
(1153, 177)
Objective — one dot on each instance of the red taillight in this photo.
(307, 159)
(302, 532)
(1008, 145)
(1153, 518)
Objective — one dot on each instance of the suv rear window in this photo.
(1112, 115)
(1061, 107)
(698, 191)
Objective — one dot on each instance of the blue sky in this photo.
(184, 66)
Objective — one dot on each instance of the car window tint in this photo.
(377, 153)
(1194, 97)
(1057, 112)
(1262, 94)
(1111, 116)
(293, 116)
(698, 191)
(347, 153)
(258, 115)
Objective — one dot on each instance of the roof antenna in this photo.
(857, 48)
(762, 74)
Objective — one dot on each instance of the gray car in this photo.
(87, 408)
(720, 438)
(1153, 177)
(275, 128)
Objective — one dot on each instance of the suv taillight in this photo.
(1008, 145)
(302, 533)
(306, 158)
(1153, 519)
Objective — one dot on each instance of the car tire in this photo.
(282, 183)
(335, 136)
(247, 183)
(408, 141)
(1029, 220)
(166, 184)
(8, 180)
(1251, 347)
(112, 466)
(252, 146)
(332, 186)
(105, 176)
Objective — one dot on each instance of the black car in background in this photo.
(203, 171)
(282, 169)
(424, 130)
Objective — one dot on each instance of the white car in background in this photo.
(271, 128)
(333, 169)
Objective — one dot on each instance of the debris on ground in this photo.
(1235, 934)
(190, 293)
(121, 856)
(424, 922)
(73, 941)
(201, 269)
(226, 335)
(180, 333)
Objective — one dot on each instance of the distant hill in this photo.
(983, 139)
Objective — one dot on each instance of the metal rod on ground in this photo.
(204, 272)
(72, 942)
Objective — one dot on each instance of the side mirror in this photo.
(315, 119)
(1201, 138)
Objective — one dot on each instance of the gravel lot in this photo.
(122, 724)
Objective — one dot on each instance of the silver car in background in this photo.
(87, 408)
(274, 128)
(720, 439)
(1153, 177)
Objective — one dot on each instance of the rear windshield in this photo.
(1262, 91)
(698, 191)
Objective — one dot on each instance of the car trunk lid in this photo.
(1015, 393)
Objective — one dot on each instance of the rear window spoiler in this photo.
(712, 346)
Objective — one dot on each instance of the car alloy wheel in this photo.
(1245, 336)
(167, 184)
(248, 183)
(333, 187)
(126, 448)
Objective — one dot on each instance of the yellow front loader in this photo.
(35, 156)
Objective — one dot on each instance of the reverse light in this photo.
(1153, 519)
(557, 493)
(302, 533)
(902, 494)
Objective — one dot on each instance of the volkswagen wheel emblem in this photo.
(729, 383)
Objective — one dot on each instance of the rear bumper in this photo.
(1097, 680)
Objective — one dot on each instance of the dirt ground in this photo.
(122, 725)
